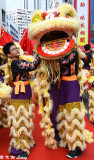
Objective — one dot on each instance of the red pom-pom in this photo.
(43, 15)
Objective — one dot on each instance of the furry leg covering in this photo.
(41, 86)
(46, 123)
(21, 123)
(71, 126)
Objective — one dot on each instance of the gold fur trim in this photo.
(13, 122)
(91, 94)
(82, 79)
(42, 89)
(68, 25)
(75, 111)
(76, 134)
(14, 144)
(5, 90)
(20, 120)
(89, 136)
(16, 103)
(92, 118)
(71, 124)
(91, 103)
(21, 130)
(62, 135)
(70, 106)
(21, 110)
(82, 146)
(49, 138)
(41, 86)
(63, 143)
(91, 111)
(74, 123)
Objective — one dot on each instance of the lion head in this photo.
(54, 30)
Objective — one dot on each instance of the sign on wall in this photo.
(83, 10)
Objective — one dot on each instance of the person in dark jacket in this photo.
(87, 59)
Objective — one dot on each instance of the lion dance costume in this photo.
(20, 112)
(56, 80)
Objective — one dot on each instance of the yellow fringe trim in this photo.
(75, 113)
(18, 102)
(69, 107)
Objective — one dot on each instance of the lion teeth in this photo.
(49, 52)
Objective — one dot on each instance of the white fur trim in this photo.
(77, 144)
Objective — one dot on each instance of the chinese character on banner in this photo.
(82, 39)
(82, 17)
(82, 25)
(82, 4)
(82, 32)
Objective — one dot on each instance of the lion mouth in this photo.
(53, 35)
(55, 44)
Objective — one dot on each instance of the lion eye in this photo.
(68, 16)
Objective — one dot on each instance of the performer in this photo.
(88, 86)
(54, 32)
(72, 125)
(87, 59)
(20, 112)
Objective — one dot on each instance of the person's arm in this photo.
(24, 66)
(87, 58)
(70, 59)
